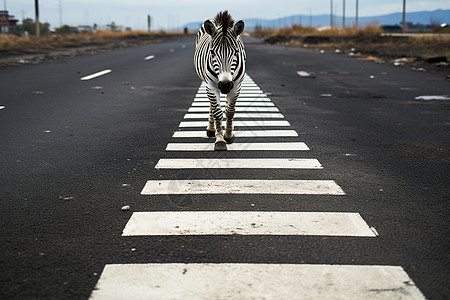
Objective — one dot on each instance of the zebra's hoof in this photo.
(229, 140)
(210, 133)
(220, 146)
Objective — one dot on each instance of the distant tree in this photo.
(63, 30)
(28, 25)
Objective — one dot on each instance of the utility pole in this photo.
(331, 13)
(310, 17)
(148, 22)
(343, 13)
(36, 6)
(60, 14)
(404, 17)
(357, 12)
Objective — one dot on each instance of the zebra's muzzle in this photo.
(225, 86)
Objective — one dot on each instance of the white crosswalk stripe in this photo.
(243, 123)
(240, 186)
(238, 163)
(247, 281)
(237, 133)
(247, 223)
(249, 108)
(237, 116)
(294, 146)
(254, 281)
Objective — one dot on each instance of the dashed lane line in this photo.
(89, 77)
(149, 57)
(246, 223)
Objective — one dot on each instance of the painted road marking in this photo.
(241, 109)
(96, 75)
(149, 57)
(304, 74)
(238, 104)
(2, 107)
(243, 95)
(237, 115)
(237, 186)
(296, 146)
(237, 133)
(238, 163)
(258, 123)
(223, 99)
(433, 97)
(246, 223)
(234, 281)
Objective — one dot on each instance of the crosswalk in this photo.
(256, 117)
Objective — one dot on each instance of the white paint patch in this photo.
(237, 133)
(295, 146)
(238, 116)
(238, 186)
(96, 75)
(149, 57)
(179, 281)
(246, 223)
(241, 109)
(238, 163)
(431, 98)
(303, 74)
(2, 107)
(257, 123)
(238, 104)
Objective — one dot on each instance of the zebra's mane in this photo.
(224, 19)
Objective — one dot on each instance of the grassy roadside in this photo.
(422, 53)
(16, 45)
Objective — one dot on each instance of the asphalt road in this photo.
(73, 152)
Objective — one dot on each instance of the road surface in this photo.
(338, 183)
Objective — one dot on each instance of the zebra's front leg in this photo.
(220, 144)
(229, 136)
(215, 118)
(211, 130)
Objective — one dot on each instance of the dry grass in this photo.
(298, 30)
(11, 43)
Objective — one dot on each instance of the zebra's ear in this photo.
(210, 27)
(239, 27)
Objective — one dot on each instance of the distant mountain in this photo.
(422, 17)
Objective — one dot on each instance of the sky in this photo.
(168, 14)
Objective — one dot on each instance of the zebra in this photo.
(219, 61)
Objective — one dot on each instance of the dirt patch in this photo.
(422, 54)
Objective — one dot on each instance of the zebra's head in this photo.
(225, 48)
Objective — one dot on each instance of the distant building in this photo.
(7, 22)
